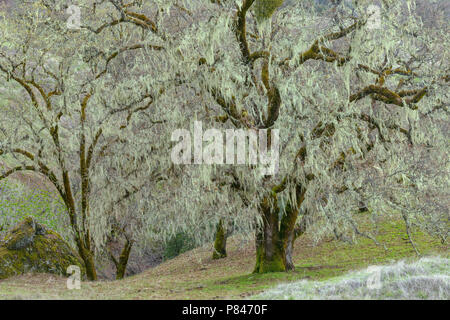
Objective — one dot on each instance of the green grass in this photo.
(194, 274)
(427, 278)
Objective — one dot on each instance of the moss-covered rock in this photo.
(31, 247)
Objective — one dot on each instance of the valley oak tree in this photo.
(361, 109)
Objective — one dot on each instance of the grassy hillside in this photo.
(25, 196)
(427, 278)
(194, 275)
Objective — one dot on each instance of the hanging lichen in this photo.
(264, 9)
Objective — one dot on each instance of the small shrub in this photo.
(176, 245)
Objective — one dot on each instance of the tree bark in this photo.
(121, 265)
(274, 240)
(83, 245)
(89, 263)
(82, 240)
(289, 250)
(297, 232)
(270, 254)
(270, 244)
(220, 242)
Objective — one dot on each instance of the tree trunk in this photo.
(270, 243)
(89, 263)
(274, 240)
(270, 253)
(121, 265)
(297, 232)
(83, 242)
(220, 242)
(289, 249)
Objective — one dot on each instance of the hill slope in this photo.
(427, 278)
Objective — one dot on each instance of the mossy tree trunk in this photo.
(276, 234)
(121, 264)
(297, 232)
(270, 253)
(81, 234)
(220, 242)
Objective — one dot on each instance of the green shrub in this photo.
(176, 245)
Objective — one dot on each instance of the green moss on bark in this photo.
(274, 264)
(220, 243)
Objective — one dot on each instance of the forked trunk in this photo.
(83, 242)
(121, 265)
